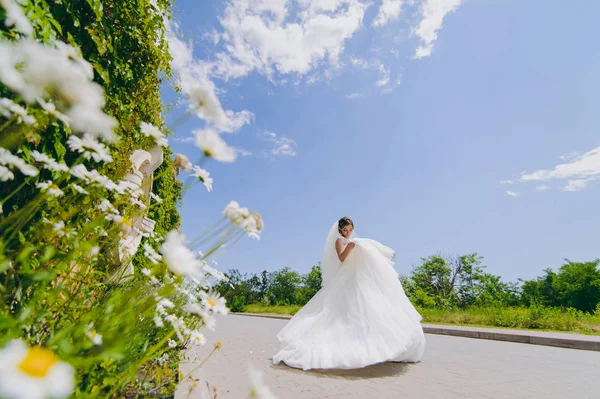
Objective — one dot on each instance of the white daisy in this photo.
(51, 109)
(79, 189)
(234, 211)
(215, 273)
(149, 130)
(251, 222)
(206, 104)
(74, 54)
(151, 254)
(158, 321)
(172, 344)
(203, 175)
(6, 174)
(182, 162)
(9, 74)
(9, 160)
(146, 272)
(93, 335)
(125, 187)
(165, 303)
(252, 225)
(63, 231)
(208, 319)
(33, 373)
(89, 147)
(16, 17)
(80, 172)
(46, 70)
(107, 207)
(177, 256)
(213, 146)
(49, 162)
(214, 302)
(93, 176)
(258, 389)
(50, 188)
(9, 108)
(197, 338)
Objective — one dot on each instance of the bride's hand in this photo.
(351, 245)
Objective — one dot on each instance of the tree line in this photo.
(438, 281)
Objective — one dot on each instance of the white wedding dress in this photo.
(361, 316)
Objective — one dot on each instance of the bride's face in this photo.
(347, 231)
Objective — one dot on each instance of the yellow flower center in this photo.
(37, 362)
(218, 344)
(208, 153)
(127, 222)
(212, 302)
(54, 187)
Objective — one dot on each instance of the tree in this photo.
(284, 285)
(448, 281)
(311, 284)
(265, 285)
(314, 279)
(578, 285)
(540, 291)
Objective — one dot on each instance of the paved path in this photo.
(452, 368)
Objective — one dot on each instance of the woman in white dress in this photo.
(361, 316)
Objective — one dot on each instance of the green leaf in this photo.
(60, 149)
(49, 252)
(43, 276)
(97, 8)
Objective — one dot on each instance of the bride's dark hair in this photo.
(343, 222)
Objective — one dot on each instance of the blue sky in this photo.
(341, 119)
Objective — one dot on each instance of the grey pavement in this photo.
(453, 367)
(547, 338)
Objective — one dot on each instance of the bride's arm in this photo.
(338, 248)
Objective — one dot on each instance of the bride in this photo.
(361, 316)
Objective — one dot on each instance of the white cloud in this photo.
(195, 82)
(260, 35)
(432, 13)
(388, 11)
(570, 156)
(385, 76)
(513, 194)
(576, 185)
(283, 146)
(188, 139)
(578, 171)
(375, 64)
(353, 96)
(586, 166)
(235, 120)
(242, 152)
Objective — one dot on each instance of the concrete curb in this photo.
(560, 340)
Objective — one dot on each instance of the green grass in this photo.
(535, 318)
(288, 310)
